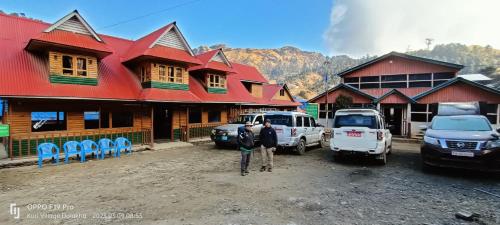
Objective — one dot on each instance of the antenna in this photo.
(428, 42)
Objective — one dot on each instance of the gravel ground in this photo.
(202, 185)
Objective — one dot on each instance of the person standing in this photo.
(269, 141)
(245, 142)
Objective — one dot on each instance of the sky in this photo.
(332, 27)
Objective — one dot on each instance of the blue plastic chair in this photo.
(46, 150)
(89, 146)
(106, 145)
(73, 148)
(122, 143)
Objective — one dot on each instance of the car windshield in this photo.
(280, 119)
(460, 123)
(355, 121)
(243, 118)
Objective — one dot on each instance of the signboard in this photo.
(313, 110)
(4, 130)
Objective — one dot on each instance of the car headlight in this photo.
(213, 131)
(431, 140)
(493, 144)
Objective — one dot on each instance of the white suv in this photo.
(296, 130)
(360, 131)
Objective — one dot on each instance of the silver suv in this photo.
(296, 130)
(226, 135)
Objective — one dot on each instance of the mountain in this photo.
(303, 71)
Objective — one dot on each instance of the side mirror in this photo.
(495, 136)
(498, 130)
(423, 127)
(256, 123)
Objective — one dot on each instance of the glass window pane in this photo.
(194, 115)
(104, 119)
(420, 84)
(355, 121)
(214, 116)
(369, 85)
(91, 120)
(419, 117)
(299, 121)
(48, 121)
(447, 75)
(354, 85)
(394, 85)
(422, 76)
(123, 119)
(370, 79)
(351, 79)
(401, 77)
(418, 107)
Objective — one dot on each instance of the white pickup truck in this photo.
(360, 131)
(296, 130)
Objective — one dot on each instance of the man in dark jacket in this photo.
(245, 143)
(269, 141)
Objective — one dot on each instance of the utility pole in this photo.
(326, 65)
(428, 42)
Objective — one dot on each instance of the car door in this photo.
(387, 132)
(299, 125)
(314, 130)
(307, 129)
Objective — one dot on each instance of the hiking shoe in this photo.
(262, 169)
(247, 172)
(270, 170)
(243, 173)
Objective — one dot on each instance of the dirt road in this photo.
(202, 185)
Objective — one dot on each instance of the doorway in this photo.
(394, 116)
(162, 125)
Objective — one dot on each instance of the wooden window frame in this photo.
(282, 92)
(162, 73)
(75, 71)
(216, 81)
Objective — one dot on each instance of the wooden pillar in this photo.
(187, 124)
(408, 119)
(152, 126)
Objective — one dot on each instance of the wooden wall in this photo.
(257, 90)
(332, 95)
(179, 115)
(19, 115)
(460, 92)
(286, 97)
(397, 65)
(55, 64)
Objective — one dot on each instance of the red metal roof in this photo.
(248, 73)
(26, 74)
(68, 39)
(141, 47)
(207, 64)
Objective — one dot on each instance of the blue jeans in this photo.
(245, 160)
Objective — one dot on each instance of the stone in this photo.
(465, 215)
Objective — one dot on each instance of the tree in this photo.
(489, 70)
(343, 101)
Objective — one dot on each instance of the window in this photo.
(422, 76)
(351, 79)
(81, 67)
(259, 119)
(420, 113)
(492, 113)
(248, 86)
(91, 120)
(369, 85)
(123, 119)
(307, 123)
(67, 65)
(104, 119)
(370, 79)
(313, 123)
(48, 121)
(299, 121)
(217, 81)
(355, 121)
(213, 116)
(420, 84)
(394, 77)
(162, 73)
(282, 92)
(178, 75)
(447, 75)
(194, 115)
(171, 75)
(280, 119)
(394, 85)
(145, 73)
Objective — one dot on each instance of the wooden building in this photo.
(64, 81)
(407, 90)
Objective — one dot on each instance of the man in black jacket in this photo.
(269, 141)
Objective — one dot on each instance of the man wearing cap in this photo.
(269, 141)
(245, 142)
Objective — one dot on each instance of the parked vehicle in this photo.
(296, 130)
(226, 135)
(461, 141)
(360, 131)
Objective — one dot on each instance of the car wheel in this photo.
(219, 145)
(301, 147)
